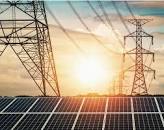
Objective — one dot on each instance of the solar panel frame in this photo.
(20, 105)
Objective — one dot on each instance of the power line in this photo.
(128, 7)
(65, 31)
(97, 14)
(121, 18)
(110, 23)
(88, 29)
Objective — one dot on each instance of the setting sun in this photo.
(93, 71)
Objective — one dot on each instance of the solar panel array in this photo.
(82, 113)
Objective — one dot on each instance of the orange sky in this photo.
(14, 79)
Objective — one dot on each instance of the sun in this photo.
(92, 71)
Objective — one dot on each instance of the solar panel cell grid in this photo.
(45, 105)
(20, 105)
(118, 122)
(7, 121)
(161, 103)
(61, 122)
(94, 105)
(89, 122)
(32, 122)
(144, 104)
(119, 104)
(4, 102)
(70, 104)
(148, 122)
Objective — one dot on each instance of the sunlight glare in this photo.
(93, 71)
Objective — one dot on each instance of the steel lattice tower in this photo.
(24, 27)
(139, 83)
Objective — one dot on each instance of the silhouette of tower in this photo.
(139, 83)
(24, 27)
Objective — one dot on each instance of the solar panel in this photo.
(92, 104)
(119, 104)
(7, 121)
(119, 122)
(78, 113)
(89, 122)
(32, 122)
(144, 104)
(45, 105)
(20, 105)
(148, 122)
(69, 104)
(61, 122)
(4, 102)
(161, 103)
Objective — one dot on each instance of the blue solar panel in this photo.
(45, 105)
(89, 122)
(4, 102)
(161, 103)
(20, 105)
(119, 104)
(32, 122)
(69, 104)
(92, 114)
(119, 122)
(144, 104)
(7, 121)
(61, 122)
(148, 122)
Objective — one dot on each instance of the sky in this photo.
(94, 74)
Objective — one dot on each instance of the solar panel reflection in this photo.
(89, 122)
(119, 104)
(69, 104)
(93, 104)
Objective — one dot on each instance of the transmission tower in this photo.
(24, 27)
(139, 83)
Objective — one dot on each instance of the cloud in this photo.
(148, 4)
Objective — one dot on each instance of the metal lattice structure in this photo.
(24, 27)
(139, 83)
